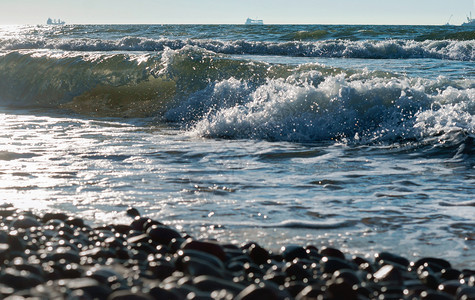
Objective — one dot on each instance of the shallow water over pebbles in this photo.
(360, 198)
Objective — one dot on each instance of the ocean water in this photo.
(357, 137)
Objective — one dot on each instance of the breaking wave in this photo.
(461, 50)
(217, 96)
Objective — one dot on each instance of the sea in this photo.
(357, 137)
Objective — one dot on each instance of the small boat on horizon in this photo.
(250, 21)
(470, 21)
(55, 22)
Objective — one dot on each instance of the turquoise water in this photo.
(360, 137)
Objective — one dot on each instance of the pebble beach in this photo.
(58, 256)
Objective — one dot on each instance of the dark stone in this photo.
(436, 264)
(211, 259)
(295, 287)
(429, 279)
(25, 222)
(277, 277)
(390, 257)
(98, 253)
(332, 264)
(162, 234)
(138, 223)
(450, 274)
(364, 264)
(141, 238)
(449, 287)
(291, 252)
(106, 276)
(255, 292)
(209, 284)
(310, 293)
(196, 267)
(465, 291)
(121, 228)
(15, 243)
(210, 247)
(75, 222)
(258, 254)
(296, 271)
(161, 269)
(433, 295)
(151, 223)
(159, 293)
(388, 273)
(19, 279)
(89, 286)
(340, 289)
(133, 212)
(349, 276)
(67, 255)
(54, 216)
(332, 252)
(129, 295)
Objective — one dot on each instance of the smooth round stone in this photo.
(138, 223)
(277, 277)
(133, 212)
(255, 292)
(364, 264)
(161, 269)
(161, 293)
(54, 216)
(98, 253)
(340, 289)
(433, 295)
(75, 222)
(19, 279)
(196, 267)
(89, 286)
(129, 295)
(105, 275)
(310, 292)
(430, 279)
(212, 259)
(465, 291)
(291, 252)
(450, 274)
(162, 234)
(295, 287)
(296, 271)
(349, 276)
(121, 228)
(212, 248)
(436, 264)
(258, 254)
(209, 284)
(388, 273)
(390, 257)
(68, 255)
(25, 222)
(332, 252)
(15, 243)
(332, 264)
(449, 287)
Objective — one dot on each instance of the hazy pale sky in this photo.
(414, 12)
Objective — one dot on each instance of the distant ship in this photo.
(470, 21)
(55, 22)
(254, 22)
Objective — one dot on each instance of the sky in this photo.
(404, 12)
